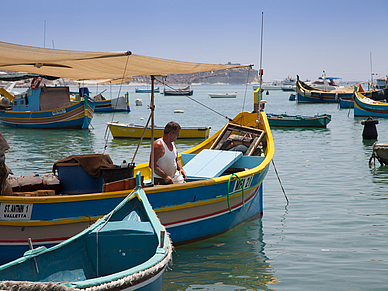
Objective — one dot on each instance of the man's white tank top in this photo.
(168, 162)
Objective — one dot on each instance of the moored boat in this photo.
(191, 211)
(364, 106)
(146, 90)
(127, 249)
(308, 94)
(46, 107)
(346, 103)
(130, 130)
(179, 91)
(380, 152)
(285, 120)
(225, 172)
(223, 95)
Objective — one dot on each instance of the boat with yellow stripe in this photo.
(130, 130)
(224, 187)
(45, 107)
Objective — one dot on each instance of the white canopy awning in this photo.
(83, 65)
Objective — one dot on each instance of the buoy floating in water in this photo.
(179, 111)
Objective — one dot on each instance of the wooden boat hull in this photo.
(119, 104)
(156, 90)
(346, 103)
(380, 152)
(307, 94)
(368, 107)
(104, 255)
(284, 120)
(78, 116)
(190, 211)
(222, 95)
(136, 131)
(178, 93)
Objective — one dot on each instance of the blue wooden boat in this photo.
(141, 90)
(101, 104)
(346, 103)
(127, 249)
(364, 106)
(46, 107)
(224, 188)
(308, 94)
(284, 120)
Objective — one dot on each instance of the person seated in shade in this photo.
(166, 161)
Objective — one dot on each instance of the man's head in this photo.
(171, 131)
(172, 127)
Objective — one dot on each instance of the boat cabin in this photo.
(42, 98)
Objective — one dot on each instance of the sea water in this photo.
(333, 233)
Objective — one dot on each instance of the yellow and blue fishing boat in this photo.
(364, 106)
(127, 249)
(45, 107)
(225, 172)
(309, 94)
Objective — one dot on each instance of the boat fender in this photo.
(320, 96)
(336, 96)
(35, 82)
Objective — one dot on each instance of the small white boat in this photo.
(223, 95)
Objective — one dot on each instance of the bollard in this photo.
(370, 131)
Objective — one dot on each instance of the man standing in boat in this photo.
(166, 161)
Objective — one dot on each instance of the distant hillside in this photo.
(230, 76)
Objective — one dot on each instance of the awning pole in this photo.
(152, 127)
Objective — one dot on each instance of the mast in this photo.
(257, 102)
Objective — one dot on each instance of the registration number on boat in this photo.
(246, 182)
(60, 111)
(15, 211)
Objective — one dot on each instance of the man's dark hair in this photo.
(172, 126)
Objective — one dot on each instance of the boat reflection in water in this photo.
(236, 258)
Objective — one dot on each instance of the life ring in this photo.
(35, 82)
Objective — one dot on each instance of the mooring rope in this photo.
(281, 185)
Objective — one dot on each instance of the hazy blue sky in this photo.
(300, 37)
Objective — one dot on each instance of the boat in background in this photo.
(364, 106)
(45, 107)
(285, 120)
(130, 130)
(380, 152)
(126, 249)
(308, 94)
(381, 82)
(346, 103)
(186, 91)
(118, 104)
(223, 95)
(141, 90)
(101, 104)
(325, 83)
(286, 84)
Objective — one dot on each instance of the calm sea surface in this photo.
(333, 234)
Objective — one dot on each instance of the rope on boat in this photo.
(242, 188)
(106, 136)
(281, 185)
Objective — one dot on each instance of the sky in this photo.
(346, 39)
